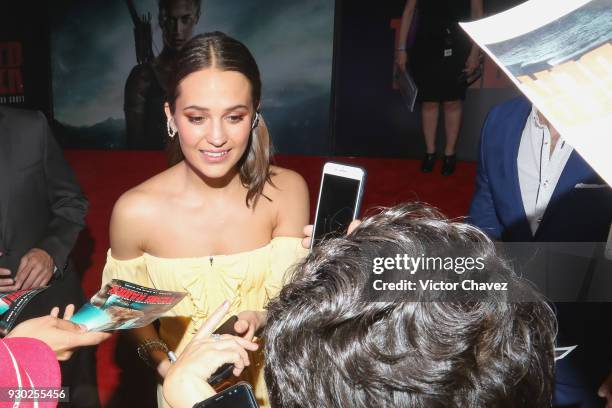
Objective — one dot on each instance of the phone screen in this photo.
(336, 206)
(237, 396)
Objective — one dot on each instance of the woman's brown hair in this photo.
(218, 50)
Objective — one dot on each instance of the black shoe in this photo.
(428, 162)
(448, 165)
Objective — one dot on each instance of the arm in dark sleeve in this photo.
(134, 105)
(68, 205)
(482, 210)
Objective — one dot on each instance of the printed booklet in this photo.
(124, 305)
(11, 304)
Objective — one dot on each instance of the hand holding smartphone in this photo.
(237, 396)
(340, 197)
(225, 371)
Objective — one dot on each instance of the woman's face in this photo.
(213, 115)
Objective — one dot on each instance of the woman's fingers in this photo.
(307, 236)
(249, 345)
(354, 224)
(235, 346)
(213, 321)
(308, 230)
(69, 312)
(232, 345)
(233, 357)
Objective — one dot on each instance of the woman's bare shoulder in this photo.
(287, 182)
(289, 194)
(147, 196)
(136, 213)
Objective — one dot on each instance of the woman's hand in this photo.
(249, 322)
(308, 232)
(401, 58)
(61, 335)
(186, 380)
(307, 236)
(472, 62)
(163, 367)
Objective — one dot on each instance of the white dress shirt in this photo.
(539, 169)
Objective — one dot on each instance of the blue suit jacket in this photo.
(572, 215)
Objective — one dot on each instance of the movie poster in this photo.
(24, 57)
(97, 45)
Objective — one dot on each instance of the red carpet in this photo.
(104, 175)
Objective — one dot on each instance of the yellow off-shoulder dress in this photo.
(247, 279)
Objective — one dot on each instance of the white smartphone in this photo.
(339, 200)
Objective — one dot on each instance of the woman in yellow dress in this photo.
(220, 224)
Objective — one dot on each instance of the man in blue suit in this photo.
(531, 186)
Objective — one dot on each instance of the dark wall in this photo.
(370, 116)
(24, 56)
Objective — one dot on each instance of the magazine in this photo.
(559, 54)
(124, 305)
(407, 87)
(562, 352)
(11, 304)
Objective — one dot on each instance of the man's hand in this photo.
(186, 381)
(605, 391)
(61, 335)
(6, 282)
(35, 270)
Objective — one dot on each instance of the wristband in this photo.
(145, 348)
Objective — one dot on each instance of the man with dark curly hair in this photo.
(331, 341)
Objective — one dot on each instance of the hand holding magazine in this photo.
(124, 305)
(11, 304)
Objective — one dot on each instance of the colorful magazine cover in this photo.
(559, 54)
(124, 305)
(11, 304)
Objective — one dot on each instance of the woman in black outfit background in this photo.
(441, 58)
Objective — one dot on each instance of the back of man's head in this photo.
(330, 344)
